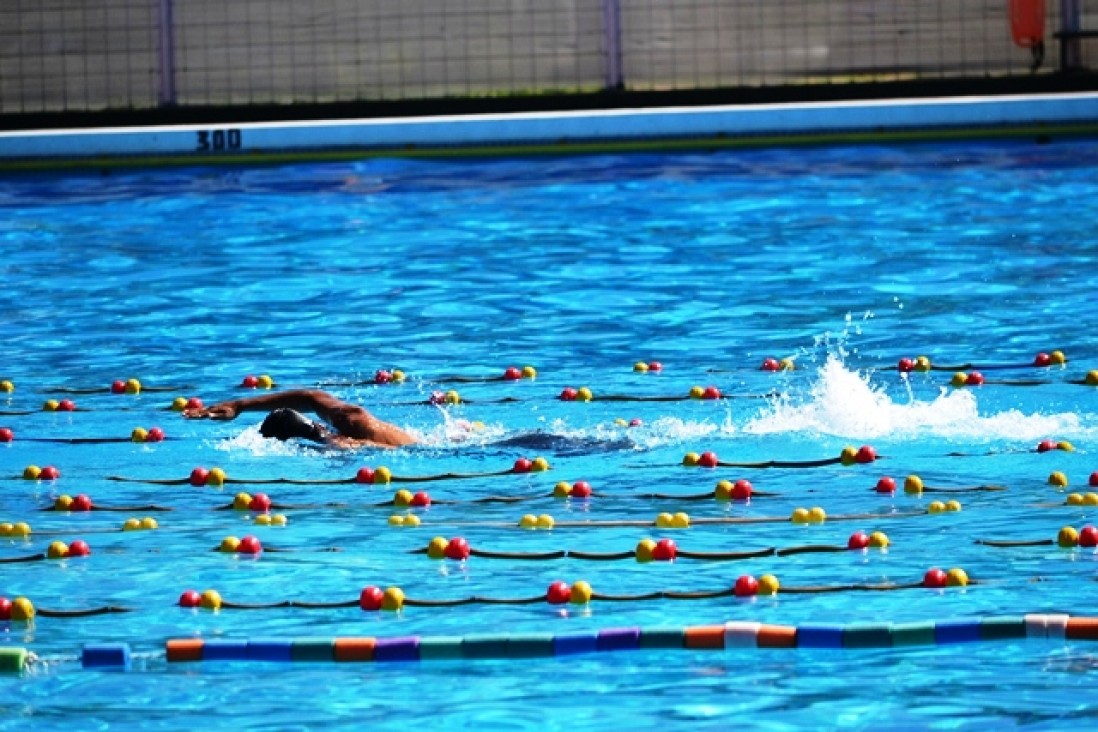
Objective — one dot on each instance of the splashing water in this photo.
(659, 432)
(839, 402)
(252, 441)
(845, 403)
(673, 430)
(453, 431)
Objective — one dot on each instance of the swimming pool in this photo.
(843, 259)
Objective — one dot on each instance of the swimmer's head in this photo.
(283, 424)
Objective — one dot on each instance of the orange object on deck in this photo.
(1027, 22)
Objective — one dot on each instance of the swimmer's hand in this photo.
(225, 410)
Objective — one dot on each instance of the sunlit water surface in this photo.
(843, 259)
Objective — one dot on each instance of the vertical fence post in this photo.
(611, 24)
(166, 59)
(1070, 57)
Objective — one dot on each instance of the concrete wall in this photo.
(77, 54)
(94, 54)
(249, 51)
(743, 42)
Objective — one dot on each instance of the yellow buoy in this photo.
(393, 599)
(22, 610)
(436, 549)
(768, 585)
(581, 593)
(211, 600)
(1068, 537)
(956, 577)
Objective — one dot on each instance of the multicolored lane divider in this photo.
(726, 636)
(559, 593)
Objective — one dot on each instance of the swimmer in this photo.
(353, 426)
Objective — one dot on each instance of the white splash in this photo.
(673, 430)
(663, 431)
(250, 440)
(456, 431)
(845, 403)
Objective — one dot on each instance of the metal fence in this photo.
(84, 55)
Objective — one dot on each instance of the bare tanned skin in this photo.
(355, 427)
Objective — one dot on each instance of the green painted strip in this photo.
(1003, 628)
(260, 157)
(485, 645)
(13, 660)
(312, 649)
(867, 635)
(440, 648)
(530, 645)
(662, 638)
(913, 634)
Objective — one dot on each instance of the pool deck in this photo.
(1047, 115)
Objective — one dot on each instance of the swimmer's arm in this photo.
(301, 400)
(384, 434)
(352, 421)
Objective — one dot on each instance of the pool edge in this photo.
(557, 133)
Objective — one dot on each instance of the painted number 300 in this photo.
(217, 140)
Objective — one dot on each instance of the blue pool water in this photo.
(844, 259)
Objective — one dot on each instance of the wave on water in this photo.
(251, 441)
(837, 402)
(658, 432)
(454, 432)
(846, 403)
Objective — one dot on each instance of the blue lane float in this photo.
(106, 655)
